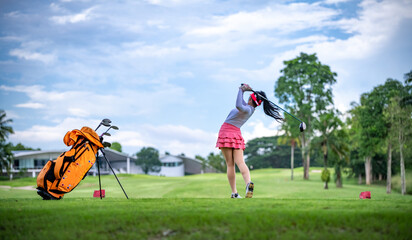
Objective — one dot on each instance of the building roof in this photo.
(25, 153)
(170, 158)
(113, 155)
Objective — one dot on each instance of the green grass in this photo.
(198, 207)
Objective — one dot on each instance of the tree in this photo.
(338, 143)
(374, 124)
(20, 146)
(401, 129)
(306, 89)
(5, 130)
(204, 162)
(266, 152)
(290, 137)
(217, 161)
(326, 124)
(116, 146)
(6, 157)
(407, 100)
(373, 127)
(356, 162)
(389, 114)
(148, 160)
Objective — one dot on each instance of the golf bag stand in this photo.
(98, 170)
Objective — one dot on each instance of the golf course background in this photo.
(199, 207)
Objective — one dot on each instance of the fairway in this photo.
(198, 207)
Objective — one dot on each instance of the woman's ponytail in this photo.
(269, 108)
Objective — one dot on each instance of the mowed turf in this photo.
(199, 207)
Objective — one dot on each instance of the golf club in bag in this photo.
(63, 174)
(106, 144)
(302, 125)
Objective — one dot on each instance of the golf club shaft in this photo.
(104, 155)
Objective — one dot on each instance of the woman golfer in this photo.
(230, 140)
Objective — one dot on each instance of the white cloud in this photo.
(260, 130)
(172, 2)
(29, 55)
(375, 26)
(157, 23)
(48, 137)
(154, 51)
(335, 1)
(31, 105)
(74, 18)
(372, 30)
(85, 103)
(283, 18)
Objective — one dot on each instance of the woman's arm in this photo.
(240, 103)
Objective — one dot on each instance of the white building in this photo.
(178, 166)
(120, 162)
(172, 166)
(31, 161)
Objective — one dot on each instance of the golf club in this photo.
(114, 127)
(105, 122)
(107, 144)
(302, 125)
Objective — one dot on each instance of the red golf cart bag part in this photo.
(97, 193)
(365, 195)
(62, 175)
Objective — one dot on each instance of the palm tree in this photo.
(291, 136)
(338, 143)
(6, 157)
(4, 129)
(327, 123)
(5, 154)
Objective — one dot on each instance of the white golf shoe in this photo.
(235, 195)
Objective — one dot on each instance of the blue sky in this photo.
(167, 72)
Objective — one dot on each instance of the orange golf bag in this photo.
(62, 175)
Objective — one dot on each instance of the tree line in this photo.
(364, 139)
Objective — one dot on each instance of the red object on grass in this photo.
(365, 195)
(97, 193)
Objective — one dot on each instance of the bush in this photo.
(325, 175)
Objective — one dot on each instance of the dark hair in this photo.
(269, 108)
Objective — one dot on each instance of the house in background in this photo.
(178, 166)
(120, 162)
(30, 163)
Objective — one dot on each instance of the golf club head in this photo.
(302, 126)
(106, 134)
(107, 144)
(115, 127)
(106, 122)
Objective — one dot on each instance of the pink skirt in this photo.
(230, 137)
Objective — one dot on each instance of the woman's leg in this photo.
(240, 162)
(230, 163)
